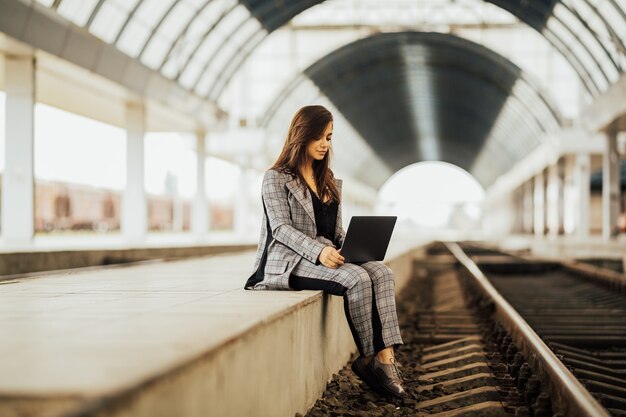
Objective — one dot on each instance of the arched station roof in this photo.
(202, 43)
(415, 96)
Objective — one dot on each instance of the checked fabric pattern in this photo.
(368, 289)
(361, 286)
(292, 220)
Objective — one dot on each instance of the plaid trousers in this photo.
(368, 291)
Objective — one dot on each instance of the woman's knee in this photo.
(357, 276)
(386, 272)
(380, 271)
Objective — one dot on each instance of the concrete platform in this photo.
(74, 250)
(566, 247)
(179, 338)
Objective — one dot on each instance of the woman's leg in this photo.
(367, 325)
(385, 319)
(354, 284)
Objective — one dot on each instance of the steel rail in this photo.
(572, 395)
(603, 276)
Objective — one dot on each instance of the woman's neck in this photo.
(307, 170)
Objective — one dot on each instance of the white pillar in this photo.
(610, 186)
(539, 203)
(134, 203)
(177, 211)
(569, 196)
(528, 207)
(561, 195)
(582, 184)
(200, 214)
(242, 198)
(518, 210)
(18, 189)
(552, 200)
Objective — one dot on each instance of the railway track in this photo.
(583, 321)
(469, 352)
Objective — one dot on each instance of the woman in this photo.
(300, 248)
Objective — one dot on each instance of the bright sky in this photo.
(428, 192)
(75, 149)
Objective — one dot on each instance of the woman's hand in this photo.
(331, 257)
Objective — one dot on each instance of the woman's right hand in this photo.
(331, 257)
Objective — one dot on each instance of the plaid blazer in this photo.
(292, 221)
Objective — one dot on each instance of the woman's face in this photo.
(316, 149)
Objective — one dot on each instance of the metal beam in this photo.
(204, 37)
(182, 33)
(606, 108)
(156, 28)
(129, 17)
(43, 29)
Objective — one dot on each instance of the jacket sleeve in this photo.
(274, 195)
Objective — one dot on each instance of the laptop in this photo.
(367, 238)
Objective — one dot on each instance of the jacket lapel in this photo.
(301, 193)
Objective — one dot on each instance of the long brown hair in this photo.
(308, 124)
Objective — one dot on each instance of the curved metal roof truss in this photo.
(416, 96)
(588, 33)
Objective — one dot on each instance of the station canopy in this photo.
(415, 96)
(432, 96)
(201, 43)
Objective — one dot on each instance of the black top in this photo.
(325, 216)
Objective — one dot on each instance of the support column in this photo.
(552, 197)
(177, 209)
(539, 203)
(528, 207)
(610, 186)
(200, 215)
(569, 195)
(18, 180)
(582, 184)
(561, 196)
(518, 210)
(134, 211)
(242, 198)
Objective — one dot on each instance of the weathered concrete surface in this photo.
(14, 263)
(178, 338)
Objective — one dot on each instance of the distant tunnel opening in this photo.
(433, 195)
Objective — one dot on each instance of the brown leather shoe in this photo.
(364, 372)
(388, 377)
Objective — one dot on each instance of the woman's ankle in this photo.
(385, 356)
